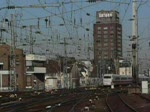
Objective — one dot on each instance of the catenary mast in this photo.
(134, 41)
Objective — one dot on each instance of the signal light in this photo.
(133, 46)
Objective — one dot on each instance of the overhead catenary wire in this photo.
(68, 21)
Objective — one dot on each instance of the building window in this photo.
(99, 57)
(111, 36)
(100, 52)
(105, 53)
(105, 48)
(119, 49)
(98, 40)
(99, 32)
(29, 81)
(119, 53)
(105, 28)
(111, 32)
(99, 45)
(119, 32)
(111, 40)
(105, 36)
(119, 36)
(99, 36)
(99, 28)
(119, 40)
(105, 57)
(106, 40)
(1, 67)
(119, 28)
(119, 44)
(112, 44)
(111, 27)
(105, 44)
(112, 49)
(105, 32)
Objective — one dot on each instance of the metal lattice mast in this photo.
(65, 65)
(31, 40)
(13, 56)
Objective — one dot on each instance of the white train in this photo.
(143, 78)
(115, 79)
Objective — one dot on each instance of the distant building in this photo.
(53, 76)
(107, 40)
(35, 71)
(5, 68)
(125, 67)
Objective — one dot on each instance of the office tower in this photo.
(107, 39)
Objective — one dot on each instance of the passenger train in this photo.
(115, 79)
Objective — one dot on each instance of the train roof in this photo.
(143, 76)
(117, 75)
(111, 74)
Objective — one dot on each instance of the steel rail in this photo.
(133, 109)
(126, 104)
(73, 108)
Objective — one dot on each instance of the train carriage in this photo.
(115, 79)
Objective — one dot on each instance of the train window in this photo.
(123, 78)
(107, 77)
(117, 78)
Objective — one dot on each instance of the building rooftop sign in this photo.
(106, 14)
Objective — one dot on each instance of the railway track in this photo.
(139, 101)
(117, 104)
(37, 103)
(80, 100)
(45, 102)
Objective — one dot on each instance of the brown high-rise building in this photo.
(107, 36)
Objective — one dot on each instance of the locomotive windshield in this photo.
(107, 77)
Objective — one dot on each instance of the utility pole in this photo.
(1, 37)
(13, 56)
(31, 40)
(89, 51)
(65, 66)
(134, 41)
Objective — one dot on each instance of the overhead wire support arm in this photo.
(29, 6)
(92, 1)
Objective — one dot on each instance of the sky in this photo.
(65, 27)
